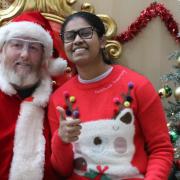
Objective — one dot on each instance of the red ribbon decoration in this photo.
(155, 9)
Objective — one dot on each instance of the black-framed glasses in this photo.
(84, 33)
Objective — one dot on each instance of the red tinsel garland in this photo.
(155, 9)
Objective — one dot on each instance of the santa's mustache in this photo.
(20, 80)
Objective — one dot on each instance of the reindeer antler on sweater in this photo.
(127, 100)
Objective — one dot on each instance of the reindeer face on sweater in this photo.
(106, 146)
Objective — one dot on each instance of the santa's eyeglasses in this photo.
(19, 44)
(84, 33)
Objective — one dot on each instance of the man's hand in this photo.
(69, 128)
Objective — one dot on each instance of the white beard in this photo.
(19, 80)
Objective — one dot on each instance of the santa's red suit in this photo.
(24, 133)
(24, 129)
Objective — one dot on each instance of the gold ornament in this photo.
(177, 93)
(178, 62)
(162, 92)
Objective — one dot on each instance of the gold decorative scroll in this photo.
(87, 7)
(61, 8)
(15, 8)
(113, 49)
(57, 11)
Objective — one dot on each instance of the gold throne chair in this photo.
(56, 11)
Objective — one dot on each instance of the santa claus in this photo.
(27, 62)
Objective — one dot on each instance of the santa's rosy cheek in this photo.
(120, 145)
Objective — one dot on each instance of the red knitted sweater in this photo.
(134, 144)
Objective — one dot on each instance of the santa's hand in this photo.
(69, 128)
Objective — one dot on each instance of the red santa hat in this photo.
(34, 25)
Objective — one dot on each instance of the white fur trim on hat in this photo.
(57, 66)
(25, 29)
(30, 30)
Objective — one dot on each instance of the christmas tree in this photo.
(171, 100)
